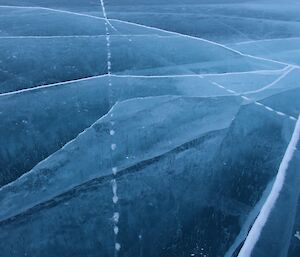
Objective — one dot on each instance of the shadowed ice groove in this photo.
(128, 153)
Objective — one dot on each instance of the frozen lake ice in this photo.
(149, 129)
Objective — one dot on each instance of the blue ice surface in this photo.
(163, 138)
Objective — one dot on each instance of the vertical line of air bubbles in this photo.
(112, 132)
